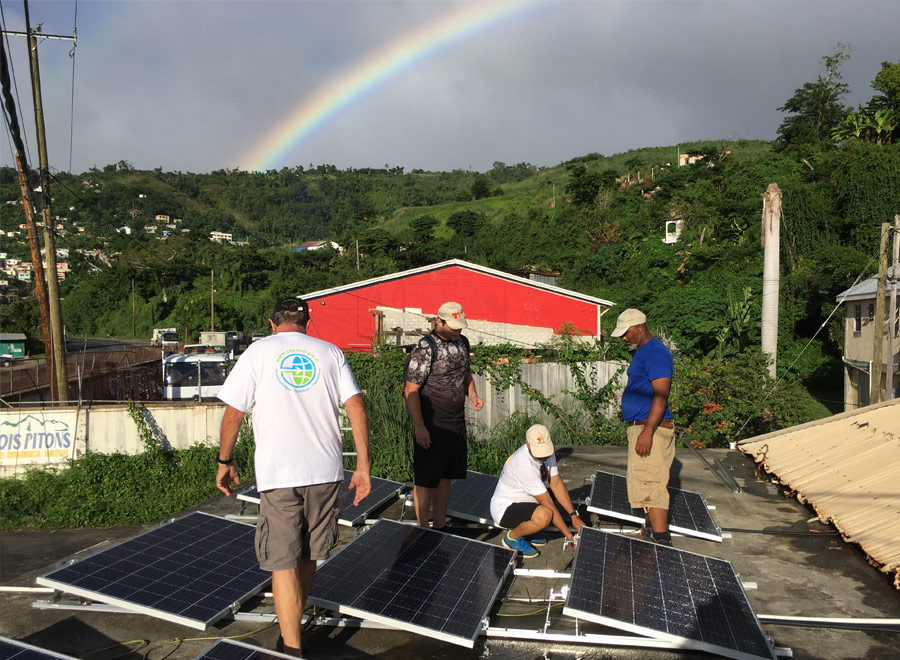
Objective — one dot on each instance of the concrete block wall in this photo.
(413, 324)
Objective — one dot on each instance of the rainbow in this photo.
(355, 83)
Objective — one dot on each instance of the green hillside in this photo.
(596, 220)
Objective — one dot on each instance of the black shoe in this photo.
(279, 647)
(660, 538)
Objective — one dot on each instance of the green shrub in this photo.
(717, 401)
(99, 490)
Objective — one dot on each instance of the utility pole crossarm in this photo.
(60, 37)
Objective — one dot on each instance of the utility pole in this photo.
(56, 325)
(892, 322)
(212, 300)
(25, 189)
(771, 240)
(40, 290)
(878, 321)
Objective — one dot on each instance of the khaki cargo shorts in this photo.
(296, 523)
(648, 476)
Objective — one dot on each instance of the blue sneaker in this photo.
(535, 540)
(520, 545)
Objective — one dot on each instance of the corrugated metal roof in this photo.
(864, 290)
(848, 468)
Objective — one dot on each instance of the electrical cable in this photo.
(72, 100)
(816, 334)
(12, 73)
(780, 532)
(540, 611)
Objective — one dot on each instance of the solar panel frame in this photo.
(688, 511)
(11, 649)
(350, 515)
(474, 581)
(685, 590)
(230, 649)
(219, 570)
(470, 498)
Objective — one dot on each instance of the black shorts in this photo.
(517, 513)
(447, 458)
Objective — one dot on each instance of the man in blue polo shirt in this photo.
(651, 431)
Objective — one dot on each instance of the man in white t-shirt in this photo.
(294, 384)
(521, 500)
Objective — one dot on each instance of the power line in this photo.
(811, 340)
(72, 100)
(15, 86)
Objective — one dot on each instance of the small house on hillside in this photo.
(312, 246)
(401, 307)
(859, 339)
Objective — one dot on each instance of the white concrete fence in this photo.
(50, 437)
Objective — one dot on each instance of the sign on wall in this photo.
(38, 439)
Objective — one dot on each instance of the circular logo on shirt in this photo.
(298, 370)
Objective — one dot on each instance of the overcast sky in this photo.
(199, 85)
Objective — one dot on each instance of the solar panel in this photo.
(425, 581)
(470, 498)
(670, 594)
(229, 649)
(191, 571)
(12, 650)
(382, 491)
(688, 512)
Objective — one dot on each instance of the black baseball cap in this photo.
(295, 304)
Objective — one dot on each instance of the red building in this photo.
(500, 308)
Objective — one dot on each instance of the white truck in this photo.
(195, 376)
(223, 342)
(165, 338)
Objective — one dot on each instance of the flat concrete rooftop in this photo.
(801, 568)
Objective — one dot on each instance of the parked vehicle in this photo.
(198, 348)
(195, 376)
(223, 342)
(165, 338)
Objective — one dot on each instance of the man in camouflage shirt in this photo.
(436, 391)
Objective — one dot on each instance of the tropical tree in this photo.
(583, 186)
(854, 125)
(815, 109)
(463, 223)
(481, 187)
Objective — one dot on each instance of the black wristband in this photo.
(574, 513)
(224, 462)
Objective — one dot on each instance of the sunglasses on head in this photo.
(545, 472)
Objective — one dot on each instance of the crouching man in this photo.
(521, 501)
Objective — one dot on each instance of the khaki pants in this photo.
(648, 476)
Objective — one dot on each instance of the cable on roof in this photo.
(779, 532)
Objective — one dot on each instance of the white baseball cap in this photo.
(538, 439)
(628, 319)
(452, 313)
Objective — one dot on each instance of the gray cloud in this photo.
(193, 86)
